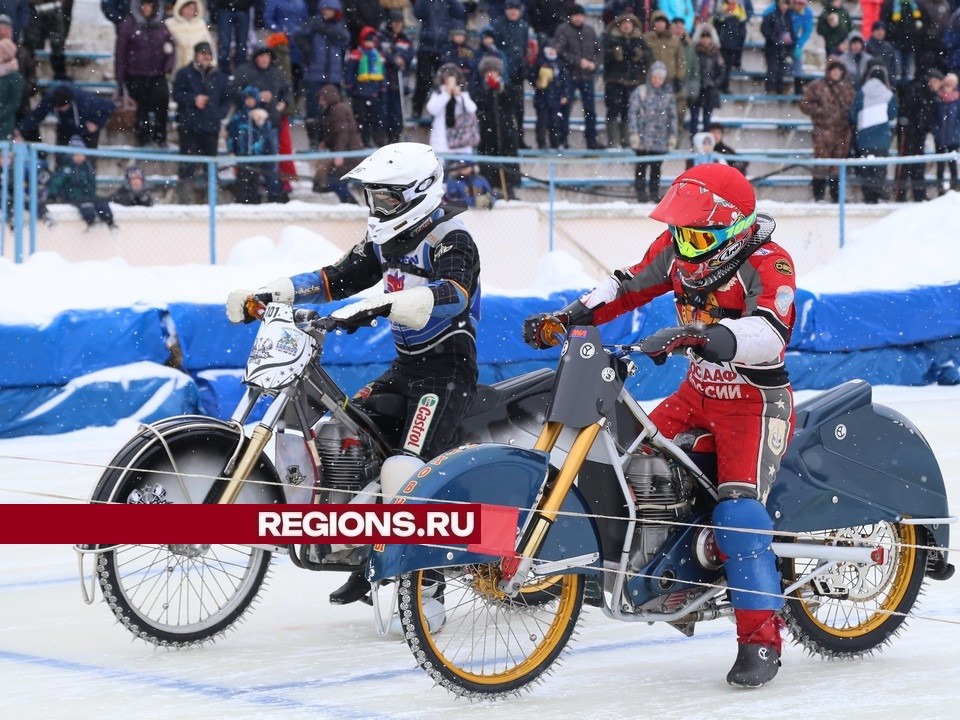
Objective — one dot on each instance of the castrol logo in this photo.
(426, 407)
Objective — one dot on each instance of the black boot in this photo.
(756, 665)
(355, 588)
(798, 86)
(834, 184)
(819, 189)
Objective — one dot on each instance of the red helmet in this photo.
(706, 207)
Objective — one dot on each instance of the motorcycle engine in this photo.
(663, 493)
(347, 462)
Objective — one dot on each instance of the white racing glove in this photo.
(239, 302)
(406, 307)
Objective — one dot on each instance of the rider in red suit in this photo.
(734, 291)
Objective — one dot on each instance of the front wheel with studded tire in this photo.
(477, 642)
(854, 608)
(179, 595)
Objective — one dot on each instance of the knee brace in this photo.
(750, 565)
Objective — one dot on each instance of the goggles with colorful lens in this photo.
(387, 200)
(695, 242)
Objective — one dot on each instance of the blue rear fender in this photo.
(494, 475)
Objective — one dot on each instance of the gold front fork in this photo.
(546, 514)
(258, 441)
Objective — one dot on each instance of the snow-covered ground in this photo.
(298, 657)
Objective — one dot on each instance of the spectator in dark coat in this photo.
(777, 30)
(74, 182)
(262, 71)
(233, 28)
(16, 14)
(203, 100)
(133, 192)
(456, 51)
(551, 92)
(398, 57)
(48, 23)
(904, 23)
(730, 19)
(512, 34)
(918, 118)
(436, 17)
(834, 25)
(359, 14)
(287, 16)
(144, 58)
(340, 134)
(324, 41)
(547, 15)
(626, 57)
(951, 43)
(707, 98)
(882, 50)
(579, 51)
(873, 113)
(11, 87)
(499, 134)
(464, 184)
(78, 113)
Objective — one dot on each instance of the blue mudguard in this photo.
(495, 475)
(851, 463)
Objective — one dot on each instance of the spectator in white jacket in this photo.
(448, 101)
(188, 27)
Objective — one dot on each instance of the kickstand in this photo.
(383, 625)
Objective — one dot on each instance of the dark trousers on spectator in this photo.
(732, 59)
(195, 142)
(584, 88)
(617, 99)
(50, 26)
(393, 120)
(93, 208)
(647, 190)
(549, 125)
(153, 100)
(942, 167)
(232, 26)
(247, 186)
(518, 108)
(340, 189)
(873, 179)
(913, 145)
(369, 115)
(427, 64)
(778, 67)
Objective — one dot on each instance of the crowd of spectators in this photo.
(357, 70)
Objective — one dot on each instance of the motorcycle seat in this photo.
(500, 393)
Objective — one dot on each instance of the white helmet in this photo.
(402, 184)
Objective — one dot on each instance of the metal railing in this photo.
(21, 163)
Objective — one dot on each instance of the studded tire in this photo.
(878, 598)
(483, 644)
(178, 595)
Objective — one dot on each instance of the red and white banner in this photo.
(136, 524)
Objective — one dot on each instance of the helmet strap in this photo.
(409, 239)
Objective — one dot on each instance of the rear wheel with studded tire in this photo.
(854, 609)
(480, 642)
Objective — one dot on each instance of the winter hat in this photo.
(457, 28)
(878, 25)
(77, 142)
(132, 172)
(60, 96)
(490, 62)
(512, 4)
(488, 32)
(5, 20)
(396, 16)
(836, 64)
(329, 94)
(933, 74)
(855, 36)
(250, 91)
(368, 33)
(576, 10)
(277, 39)
(203, 47)
(259, 49)
(658, 68)
(879, 71)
